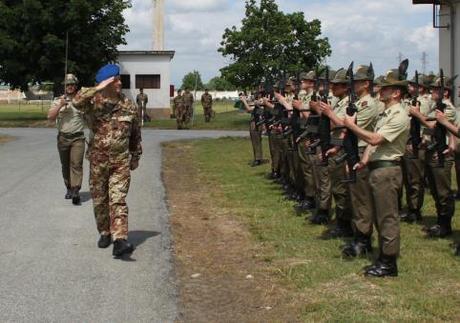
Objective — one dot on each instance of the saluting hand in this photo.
(105, 83)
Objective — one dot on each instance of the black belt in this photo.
(72, 135)
(383, 163)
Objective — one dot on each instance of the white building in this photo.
(151, 71)
(446, 18)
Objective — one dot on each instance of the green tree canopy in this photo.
(188, 82)
(33, 37)
(219, 83)
(271, 44)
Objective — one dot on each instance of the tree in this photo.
(33, 37)
(188, 82)
(271, 45)
(219, 83)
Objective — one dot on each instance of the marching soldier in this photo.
(382, 157)
(115, 152)
(180, 111)
(206, 102)
(71, 138)
(142, 99)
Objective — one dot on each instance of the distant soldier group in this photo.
(183, 109)
(348, 139)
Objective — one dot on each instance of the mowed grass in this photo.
(33, 115)
(327, 287)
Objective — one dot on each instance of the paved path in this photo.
(50, 267)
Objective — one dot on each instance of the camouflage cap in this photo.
(70, 79)
(364, 73)
(340, 77)
(310, 76)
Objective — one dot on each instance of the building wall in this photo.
(449, 60)
(159, 99)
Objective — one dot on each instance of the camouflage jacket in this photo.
(115, 125)
(206, 100)
(188, 99)
(178, 102)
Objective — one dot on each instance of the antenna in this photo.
(66, 59)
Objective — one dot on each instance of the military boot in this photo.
(68, 195)
(359, 247)
(76, 196)
(321, 217)
(256, 163)
(442, 229)
(342, 229)
(385, 266)
(104, 241)
(306, 205)
(411, 216)
(457, 249)
(122, 247)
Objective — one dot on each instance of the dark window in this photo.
(148, 81)
(125, 81)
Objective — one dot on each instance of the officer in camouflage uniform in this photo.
(141, 100)
(116, 150)
(180, 111)
(382, 158)
(206, 102)
(71, 138)
(188, 102)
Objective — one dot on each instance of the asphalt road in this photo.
(50, 267)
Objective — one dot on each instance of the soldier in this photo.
(115, 152)
(206, 102)
(180, 111)
(71, 138)
(386, 146)
(142, 100)
(439, 174)
(306, 161)
(360, 194)
(256, 110)
(336, 172)
(188, 102)
(414, 164)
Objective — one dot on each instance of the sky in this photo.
(358, 30)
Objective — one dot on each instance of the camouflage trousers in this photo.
(181, 117)
(109, 185)
(207, 113)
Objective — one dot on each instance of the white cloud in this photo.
(197, 5)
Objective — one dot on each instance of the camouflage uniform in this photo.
(180, 111)
(141, 100)
(206, 101)
(117, 136)
(188, 102)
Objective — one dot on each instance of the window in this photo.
(125, 81)
(148, 81)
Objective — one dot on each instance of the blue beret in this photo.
(107, 72)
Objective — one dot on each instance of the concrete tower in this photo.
(158, 25)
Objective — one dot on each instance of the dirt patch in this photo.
(220, 276)
(5, 139)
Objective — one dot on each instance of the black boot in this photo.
(321, 217)
(76, 196)
(256, 162)
(68, 195)
(104, 241)
(359, 247)
(122, 247)
(385, 266)
(342, 230)
(305, 206)
(411, 216)
(442, 229)
(457, 249)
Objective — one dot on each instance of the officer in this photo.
(116, 151)
(179, 110)
(71, 138)
(382, 157)
(206, 102)
(142, 99)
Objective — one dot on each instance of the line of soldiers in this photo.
(348, 139)
(183, 107)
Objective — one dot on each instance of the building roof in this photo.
(426, 1)
(169, 53)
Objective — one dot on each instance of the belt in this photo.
(72, 135)
(383, 163)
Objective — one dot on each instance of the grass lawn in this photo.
(33, 115)
(327, 287)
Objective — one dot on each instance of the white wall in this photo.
(148, 64)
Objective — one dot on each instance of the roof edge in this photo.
(169, 53)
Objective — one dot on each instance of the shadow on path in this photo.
(139, 237)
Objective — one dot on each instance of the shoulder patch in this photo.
(364, 104)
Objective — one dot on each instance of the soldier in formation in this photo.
(180, 111)
(71, 138)
(116, 150)
(355, 139)
(206, 102)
